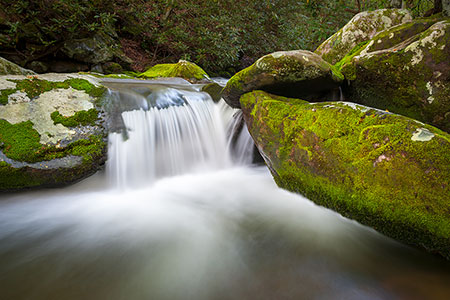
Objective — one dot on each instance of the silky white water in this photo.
(180, 213)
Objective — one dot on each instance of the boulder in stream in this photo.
(297, 73)
(384, 170)
(183, 69)
(360, 28)
(404, 69)
(51, 130)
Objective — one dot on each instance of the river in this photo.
(180, 212)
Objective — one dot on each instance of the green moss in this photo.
(390, 80)
(345, 66)
(296, 73)
(4, 94)
(33, 87)
(12, 178)
(83, 117)
(183, 69)
(92, 151)
(21, 142)
(360, 162)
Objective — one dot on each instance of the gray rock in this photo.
(9, 68)
(51, 130)
(360, 28)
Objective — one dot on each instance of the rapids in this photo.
(180, 212)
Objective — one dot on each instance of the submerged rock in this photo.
(406, 70)
(296, 73)
(182, 69)
(9, 68)
(51, 130)
(384, 170)
(360, 28)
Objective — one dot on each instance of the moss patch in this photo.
(84, 117)
(182, 69)
(360, 162)
(33, 87)
(409, 77)
(21, 142)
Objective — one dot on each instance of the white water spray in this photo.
(174, 132)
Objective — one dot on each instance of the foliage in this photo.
(218, 35)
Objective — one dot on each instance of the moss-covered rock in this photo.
(214, 90)
(9, 68)
(360, 28)
(406, 70)
(383, 170)
(297, 73)
(51, 130)
(182, 69)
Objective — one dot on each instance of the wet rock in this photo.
(51, 130)
(214, 90)
(360, 28)
(384, 170)
(7, 67)
(112, 68)
(182, 69)
(296, 73)
(406, 70)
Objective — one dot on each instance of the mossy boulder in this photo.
(183, 69)
(360, 28)
(384, 170)
(9, 68)
(51, 130)
(297, 73)
(214, 90)
(405, 70)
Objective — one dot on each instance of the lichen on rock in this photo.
(360, 28)
(404, 69)
(297, 73)
(45, 148)
(381, 169)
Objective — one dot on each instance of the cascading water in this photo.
(171, 132)
(193, 220)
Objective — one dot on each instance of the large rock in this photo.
(51, 132)
(360, 28)
(383, 170)
(406, 70)
(9, 68)
(183, 69)
(297, 73)
(101, 48)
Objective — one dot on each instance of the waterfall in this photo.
(160, 131)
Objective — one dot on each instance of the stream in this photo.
(180, 212)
